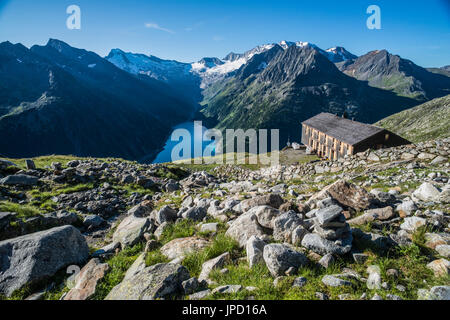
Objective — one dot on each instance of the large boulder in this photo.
(131, 230)
(86, 280)
(279, 258)
(155, 282)
(273, 200)
(244, 227)
(346, 194)
(182, 246)
(38, 256)
(19, 180)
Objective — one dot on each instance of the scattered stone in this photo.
(200, 295)
(166, 214)
(299, 282)
(183, 246)
(212, 264)
(30, 164)
(411, 224)
(333, 281)
(273, 200)
(254, 249)
(209, 227)
(86, 280)
(440, 267)
(443, 250)
(360, 257)
(372, 215)
(228, 289)
(426, 192)
(192, 285)
(327, 260)
(93, 221)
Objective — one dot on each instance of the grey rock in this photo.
(327, 260)
(166, 214)
(360, 257)
(279, 258)
(131, 230)
(265, 215)
(200, 295)
(181, 247)
(195, 213)
(298, 235)
(192, 285)
(244, 227)
(426, 192)
(209, 227)
(411, 224)
(326, 215)
(93, 221)
(254, 249)
(106, 250)
(443, 250)
(19, 180)
(212, 264)
(137, 266)
(37, 256)
(284, 225)
(30, 164)
(299, 282)
(333, 281)
(6, 163)
(158, 281)
(230, 288)
(273, 200)
(319, 245)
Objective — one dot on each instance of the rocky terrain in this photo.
(372, 226)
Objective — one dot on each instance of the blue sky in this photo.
(189, 30)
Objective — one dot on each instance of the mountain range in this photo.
(64, 100)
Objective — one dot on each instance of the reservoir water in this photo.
(166, 154)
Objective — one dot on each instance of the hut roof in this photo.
(346, 130)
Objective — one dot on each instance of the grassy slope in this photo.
(427, 121)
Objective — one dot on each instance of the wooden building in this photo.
(333, 137)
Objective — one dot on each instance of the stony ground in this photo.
(372, 226)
